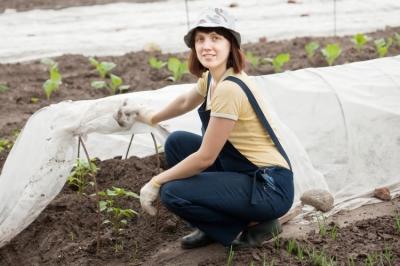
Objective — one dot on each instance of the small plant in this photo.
(310, 48)
(372, 259)
(279, 61)
(322, 225)
(117, 216)
(360, 40)
(300, 253)
(351, 262)
(3, 88)
(255, 61)
(397, 223)
(114, 85)
(387, 255)
(397, 38)
(333, 232)
(382, 46)
(156, 64)
(320, 258)
(55, 79)
(331, 52)
(5, 144)
(79, 173)
(177, 68)
(103, 68)
(231, 255)
(291, 246)
(277, 240)
(34, 100)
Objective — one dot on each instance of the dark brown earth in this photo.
(65, 232)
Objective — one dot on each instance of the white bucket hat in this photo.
(212, 18)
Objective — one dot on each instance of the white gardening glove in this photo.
(148, 194)
(127, 115)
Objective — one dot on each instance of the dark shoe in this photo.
(195, 240)
(255, 235)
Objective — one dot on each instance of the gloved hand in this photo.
(148, 194)
(127, 115)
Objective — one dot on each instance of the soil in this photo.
(65, 232)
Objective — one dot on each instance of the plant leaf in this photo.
(98, 84)
(3, 88)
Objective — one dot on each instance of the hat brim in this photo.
(188, 37)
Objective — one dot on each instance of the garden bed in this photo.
(65, 232)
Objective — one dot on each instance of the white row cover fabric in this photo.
(118, 28)
(340, 126)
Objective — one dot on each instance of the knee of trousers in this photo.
(169, 197)
(171, 145)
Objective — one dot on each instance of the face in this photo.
(212, 50)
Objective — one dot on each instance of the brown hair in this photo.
(236, 58)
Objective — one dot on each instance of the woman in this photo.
(236, 178)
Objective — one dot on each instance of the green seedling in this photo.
(265, 263)
(103, 68)
(251, 263)
(372, 259)
(396, 38)
(300, 253)
(291, 246)
(177, 68)
(231, 255)
(322, 225)
(255, 61)
(5, 144)
(277, 240)
(114, 85)
(360, 40)
(156, 64)
(3, 88)
(320, 258)
(78, 177)
(117, 216)
(333, 232)
(310, 48)
(382, 46)
(397, 223)
(387, 256)
(351, 262)
(331, 52)
(278, 61)
(55, 79)
(34, 100)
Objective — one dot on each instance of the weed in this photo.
(278, 61)
(397, 223)
(351, 262)
(310, 49)
(34, 100)
(255, 61)
(320, 258)
(155, 63)
(79, 173)
(55, 79)
(387, 255)
(360, 40)
(331, 52)
(300, 253)
(382, 46)
(333, 232)
(4, 88)
(117, 216)
(371, 259)
(322, 225)
(177, 68)
(291, 246)
(5, 144)
(396, 37)
(103, 68)
(265, 263)
(231, 255)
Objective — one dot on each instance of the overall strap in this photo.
(208, 87)
(261, 116)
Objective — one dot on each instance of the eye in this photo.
(215, 38)
(199, 39)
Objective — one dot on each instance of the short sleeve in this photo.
(202, 84)
(227, 101)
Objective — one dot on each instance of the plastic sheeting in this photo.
(116, 29)
(340, 126)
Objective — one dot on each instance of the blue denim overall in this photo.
(223, 199)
